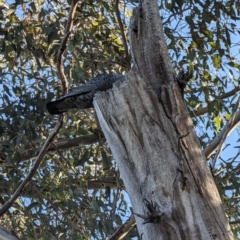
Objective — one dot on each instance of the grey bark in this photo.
(7, 235)
(152, 138)
(158, 165)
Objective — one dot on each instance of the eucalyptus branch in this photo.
(204, 110)
(59, 123)
(233, 171)
(226, 130)
(111, 181)
(37, 163)
(176, 14)
(229, 128)
(46, 197)
(63, 46)
(29, 75)
(61, 145)
(234, 222)
(65, 160)
(123, 230)
(121, 28)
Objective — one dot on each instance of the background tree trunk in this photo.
(152, 138)
(7, 235)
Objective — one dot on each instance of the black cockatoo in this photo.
(82, 97)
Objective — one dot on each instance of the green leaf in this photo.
(218, 121)
(105, 160)
(216, 61)
(83, 159)
(228, 37)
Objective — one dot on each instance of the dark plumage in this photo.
(82, 97)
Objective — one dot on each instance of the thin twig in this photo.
(37, 163)
(230, 124)
(46, 197)
(228, 173)
(226, 130)
(123, 230)
(234, 222)
(63, 144)
(59, 123)
(63, 46)
(121, 28)
(176, 14)
(204, 110)
(66, 160)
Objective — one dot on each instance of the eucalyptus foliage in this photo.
(60, 202)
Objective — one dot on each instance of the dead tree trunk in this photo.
(152, 138)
